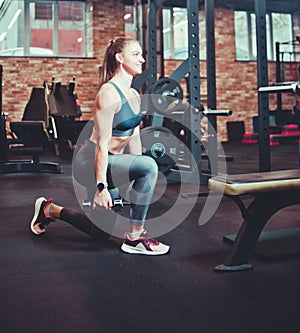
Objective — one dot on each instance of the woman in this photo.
(101, 164)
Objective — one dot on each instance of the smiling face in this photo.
(131, 58)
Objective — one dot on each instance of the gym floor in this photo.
(64, 281)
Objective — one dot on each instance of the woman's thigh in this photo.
(125, 168)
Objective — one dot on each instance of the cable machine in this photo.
(294, 73)
(264, 89)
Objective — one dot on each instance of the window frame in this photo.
(172, 49)
(54, 27)
(250, 17)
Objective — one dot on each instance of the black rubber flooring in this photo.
(66, 282)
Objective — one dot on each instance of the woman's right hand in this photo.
(102, 200)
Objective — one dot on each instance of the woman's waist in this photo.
(116, 146)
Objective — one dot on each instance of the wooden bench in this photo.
(272, 191)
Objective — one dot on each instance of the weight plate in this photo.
(166, 96)
(161, 144)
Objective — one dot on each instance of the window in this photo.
(278, 29)
(42, 28)
(129, 24)
(175, 33)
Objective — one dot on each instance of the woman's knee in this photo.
(148, 164)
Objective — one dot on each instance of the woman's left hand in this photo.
(102, 200)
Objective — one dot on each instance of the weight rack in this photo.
(190, 66)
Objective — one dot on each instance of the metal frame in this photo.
(211, 85)
(279, 60)
(189, 66)
(262, 80)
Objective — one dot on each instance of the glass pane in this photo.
(282, 32)
(202, 34)
(253, 37)
(175, 33)
(180, 33)
(167, 34)
(268, 35)
(241, 35)
(41, 29)
(12, 28)
(71, 28)
(269, 38)
(129, 24)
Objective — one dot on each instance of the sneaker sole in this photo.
(37, 208)
(131, 250)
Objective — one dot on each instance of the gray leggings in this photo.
(139, 171)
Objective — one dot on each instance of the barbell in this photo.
(293, 87)
(167, 96)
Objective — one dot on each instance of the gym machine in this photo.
(64, 112)
(165, 101)
(264, 88)
(32, 137)
(293, 87)
(266, 201)
(280, 70)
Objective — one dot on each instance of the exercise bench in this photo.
(272, 191)
(30, 138)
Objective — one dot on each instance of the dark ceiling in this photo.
(283, 6)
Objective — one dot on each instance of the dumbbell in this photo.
(118, 205)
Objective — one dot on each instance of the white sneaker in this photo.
(39, 219)
(144, 245)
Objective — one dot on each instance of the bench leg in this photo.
(257, 215)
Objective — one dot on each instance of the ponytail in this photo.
(110, 64)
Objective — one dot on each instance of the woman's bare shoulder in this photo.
(107, 96)
(106, 88)
(107, 91)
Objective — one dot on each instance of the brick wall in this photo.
(20, 75)
(236, 80)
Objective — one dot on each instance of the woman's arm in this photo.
(103, 119)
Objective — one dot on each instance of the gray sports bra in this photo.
(125, 120)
